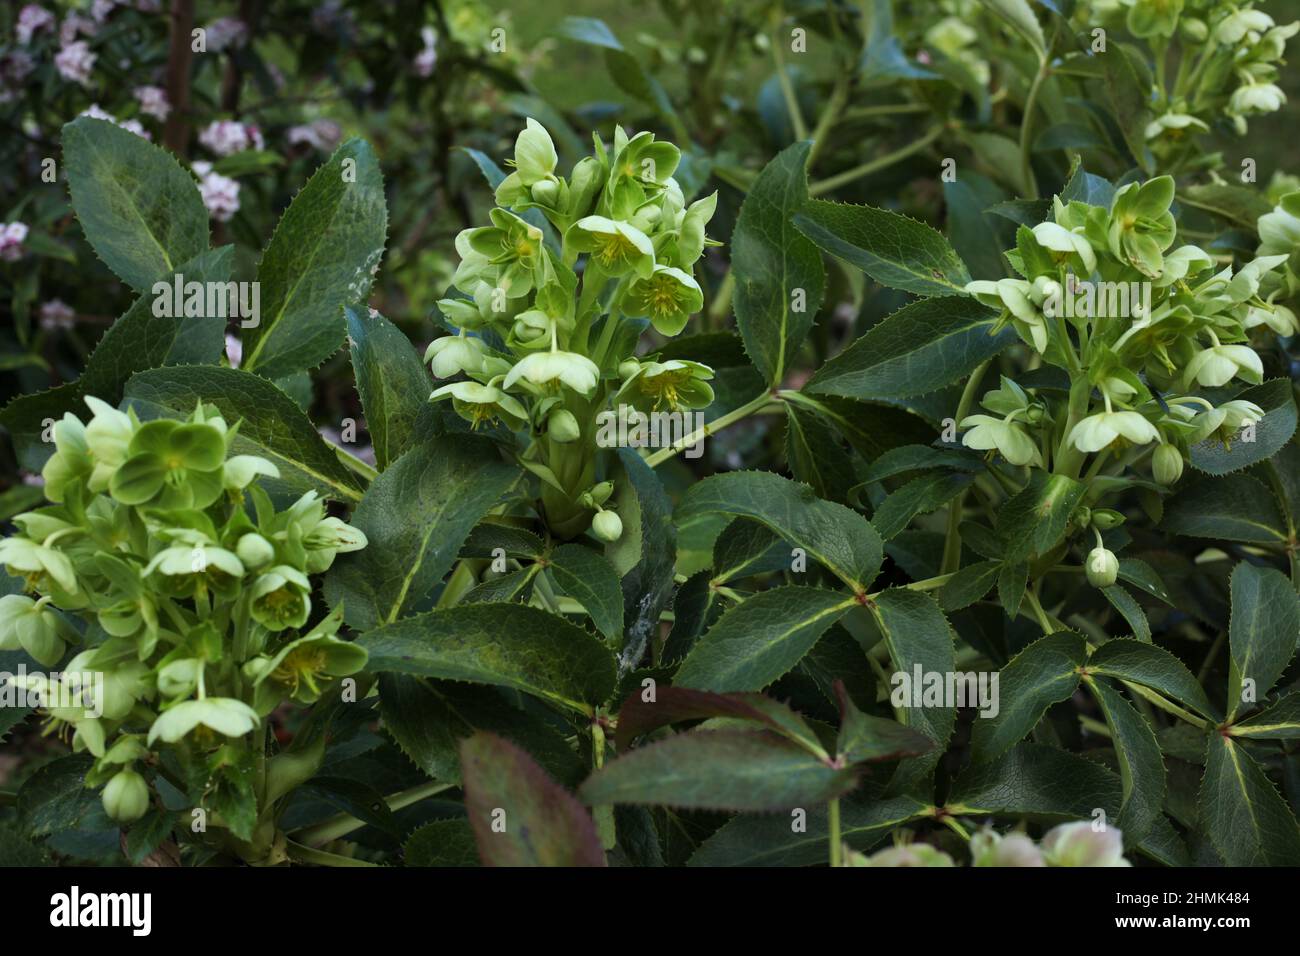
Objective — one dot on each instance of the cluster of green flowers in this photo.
(191, 585)
(1228, 60)
(544, 352)
(1070, 844)
(1141, 323)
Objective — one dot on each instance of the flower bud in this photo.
(600, 493)
(1103, 567)
(607, 526)
(628, 367)
(126, 797)
(545, 191)
(562, 427)
(254, 550)
(1167, 464)
(584, 182)
(1194, 29)
(1104, 519)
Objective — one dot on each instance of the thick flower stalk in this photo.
(552, 298)
(171, 600)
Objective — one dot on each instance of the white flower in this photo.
(32, 19)
(75, 25)
(1078, 844)
(100, 9)
(428, 57)
(75, 61)
(576, 371)
(1097, 431)
(131, 126)
(12, 236)
(220, 193)
(1279, 318)
(1174, 122)
(453, 354)
(225, 137)
(56, 315)
(234, 351)
(1220, 364)
(1256, 98)
(226, 32)
(153, 101)
(987, 432)
(1233, 28)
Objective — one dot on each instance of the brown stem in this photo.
(176, 132)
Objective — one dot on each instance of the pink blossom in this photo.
(74, 25)
(153, 102)
(30, 20)
(75, 61)
(226, 32)
(220, 193)
(424, 63)
(321, 134)
(57, 314)
(131, 126)
(234, 351)
(225, 137)
(12, 236)
(100, 9)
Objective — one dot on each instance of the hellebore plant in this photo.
(194, 594)
(559, 289)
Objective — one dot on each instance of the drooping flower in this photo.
(281, 597)
(225, 715)
(541, 368)
(1220, 364)
(989, 848)
(987, 433)
(479, 404)
(453, 354)
(1098, 431)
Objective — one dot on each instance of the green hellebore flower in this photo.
(677, 383)
(40, 565)
(1017, 297)
(1174, 126)
(669, 297)
(225, 715)
(514, 246)
(535, 156)
(1149, 18)
(1167, 464)
(108, 437)
(1220, 364)
(126, 679)
(1279, 318)
(1141, 227)
(453, 354)
(281, 598)
(1078, 844)
(330, 538)
(1241, 24)
(1098, 431)
(910, 854)
(1102, 567)
(172, 465)
(640, 165)
(300, 668)
(617, 247)
(215, 566)
(478, 404)
(607, 526)
(35, 627)
(126, 796)
(179, 678)
(1256, 98)
(1068, 243)
(1279, 231)
(462, 313)
(531, 330)
(988, 848)
(987, 433)
(1183, 262)
(71, 462)
(1225, 420)
(541, 368)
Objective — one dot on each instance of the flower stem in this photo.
(340, 826)
(836, 847)
(712, 428)
(305, 854)
(1026, 131)
(874, 166)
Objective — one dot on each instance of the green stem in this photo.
(305, 854)
(1026, 132)
(875, 165)
(830, 113)
(952, 534)
(837, 849)
(339, 826)
(787, 92)
(712, 428)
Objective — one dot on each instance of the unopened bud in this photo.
(254, 550)
(126, 796)
(607, 526)
(1102, 567)
(562, 427)
(1106, 518)
(1167, 464)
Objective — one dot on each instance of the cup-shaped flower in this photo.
(171, 465)
(910, 854)
(35, 627)
(1220, 364)
(989, 848)
(45, 568)
(1175, 126)
(1224, 421)
(191, 566)
(669, 297)
(617, 247)
(1241, 24)
(1149, 18)
(1141, 227)
(453, 354)
(480, 404)
(280, 598)
(301, 669)
(535, 156)
(1098, 431)
(108, 438)
(71, 462)
(1256, 98)
(1078, 844)
(675, 384)
(1068, 245)
(224, 715)
(987, 433)
(542, 368)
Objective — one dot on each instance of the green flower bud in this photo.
(1102, 567)
(1167, 464)
(1194, 29)
(600, 493)
(546, 192)
(628, 367)
(254, 550)
(607, 526)
(562, 426)
(584, 183)
(126, 797)
(1106, 518)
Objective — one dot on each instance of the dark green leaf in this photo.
(588, 577)
(393, 384)
(1042, 674)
